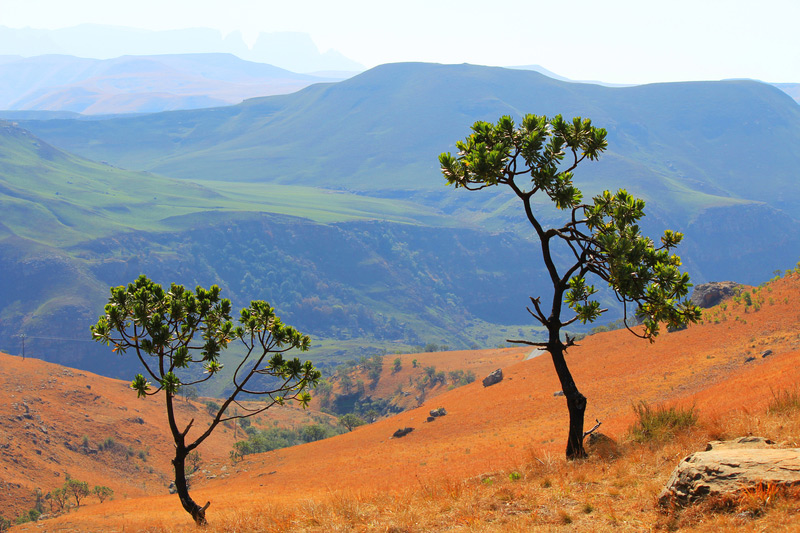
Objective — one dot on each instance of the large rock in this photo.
(494, 377)
(710, 294)
(730, 466)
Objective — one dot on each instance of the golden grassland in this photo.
(495, 462)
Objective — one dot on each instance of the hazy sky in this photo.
(623, 41)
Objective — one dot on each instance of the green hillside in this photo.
(58, 199)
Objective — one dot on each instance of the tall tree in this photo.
(601, 239)
(177, 330)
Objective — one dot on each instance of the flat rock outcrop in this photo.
(710, 294)
(730, 466)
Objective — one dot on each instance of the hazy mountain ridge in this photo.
(290, 50)
(136, 84)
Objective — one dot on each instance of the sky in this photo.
(617, 41)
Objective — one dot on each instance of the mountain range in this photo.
(328, 202)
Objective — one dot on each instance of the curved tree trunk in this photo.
(576, 402)
(198, 513)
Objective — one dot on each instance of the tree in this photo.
(174, 333)
(77, 489)
(102, 492)
(601, 238)
(351, 421)
(58, 499)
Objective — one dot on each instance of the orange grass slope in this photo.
(55, 421)
(505, 426)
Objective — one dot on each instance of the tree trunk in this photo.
(198, 513)
(576, 402)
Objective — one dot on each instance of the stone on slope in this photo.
(494, 377)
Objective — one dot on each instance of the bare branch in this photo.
(587, 433)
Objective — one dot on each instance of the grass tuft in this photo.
(785, 402)
(660, 423)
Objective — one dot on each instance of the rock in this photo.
(402, 432)
(438, 412)
(710, 294)
(558, 393)
(730, 466)
(430, 419)
(172, 488)
(749, 359)
(766, 353)
(494, 377)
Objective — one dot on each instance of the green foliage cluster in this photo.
(661, 423)
(5, 524)
(459, 378)
(260, 441)
(351, 421)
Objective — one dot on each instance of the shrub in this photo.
(193, 461)
(657, 424)
(784, 402)
(5, 523)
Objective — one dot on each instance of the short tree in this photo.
(351, 421)
(600, 239)
(174, 331)
(102, 492)
(59, 499)
(78, 490)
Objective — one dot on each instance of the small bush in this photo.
(657, 424)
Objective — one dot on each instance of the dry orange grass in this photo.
(433, 479)
(47, 410)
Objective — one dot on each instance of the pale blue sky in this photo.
(623, 41)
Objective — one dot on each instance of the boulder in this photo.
(438, 412)
(402, 432)
(730, 466)
(710, 294)
(494, 377)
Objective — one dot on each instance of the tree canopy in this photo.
(601, 238)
